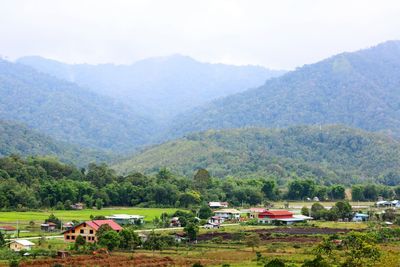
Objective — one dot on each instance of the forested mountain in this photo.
(329, 154)
(67, 112)
(17, 139)
(359, 89)
(160, 87)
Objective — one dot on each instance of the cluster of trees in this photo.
(372, 192)
(38, 182)
(341, 210)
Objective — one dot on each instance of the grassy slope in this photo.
(335, 153)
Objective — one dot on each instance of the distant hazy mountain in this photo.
(67, 112)
(330, 154)
(20, 140)
(161, 87)
(359, 89)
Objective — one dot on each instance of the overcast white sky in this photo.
(279, 34)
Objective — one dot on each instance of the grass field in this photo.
(79, 215)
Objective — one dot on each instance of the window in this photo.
(84, 237)
(91, 231)
(73, 231)
(73, 237)
(82, 231)
(68, 237)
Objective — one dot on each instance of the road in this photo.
(138, 231)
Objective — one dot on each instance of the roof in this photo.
(257, 209)
(303, 217)
(290, 219)
(97, 223)
(217, 204)
(228, 211)
(277, 213)
(383, 202)
(23, 242)
(361, 215)
(8, 228)
(124, 216)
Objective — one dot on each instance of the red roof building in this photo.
(89, 229)
(97, 223)
(7, 228)
(276, 214)
(283, 216)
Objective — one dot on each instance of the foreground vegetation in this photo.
(374, 245)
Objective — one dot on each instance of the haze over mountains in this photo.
(125, 107)
(159, 87)
(68, 112)
(360, 89)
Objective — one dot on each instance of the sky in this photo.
(282, 34)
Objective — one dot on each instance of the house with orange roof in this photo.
(88, 230)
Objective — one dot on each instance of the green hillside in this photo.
(20, 140)
(68, 112)
(329, 154)
(359, 89)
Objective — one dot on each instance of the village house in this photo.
(67, 225)
(77, 206)
(252, 213)
(48, 227)
(88, 230)
(284, 216)
(228, 214)
(21, 244)
(360, 217)
(216, 220)
(174, 222)
(125, 219)
(8, 229)
(217, 204)
(384, 203)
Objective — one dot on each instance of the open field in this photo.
(79, 215)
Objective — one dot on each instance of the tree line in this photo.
(38, 182)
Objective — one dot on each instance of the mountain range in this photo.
(359, 89)
(67, 112)
(159, 87)
(87, 109)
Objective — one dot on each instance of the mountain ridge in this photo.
(359, 89)
(159, 86)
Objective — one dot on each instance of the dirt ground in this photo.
(102, 260)
(267, 234)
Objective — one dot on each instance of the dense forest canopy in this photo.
(68, 112)
(329, 154)
(18, 139)
(38, 182)
(359, 89)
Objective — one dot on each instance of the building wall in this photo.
(18, 247)
(88, 233)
